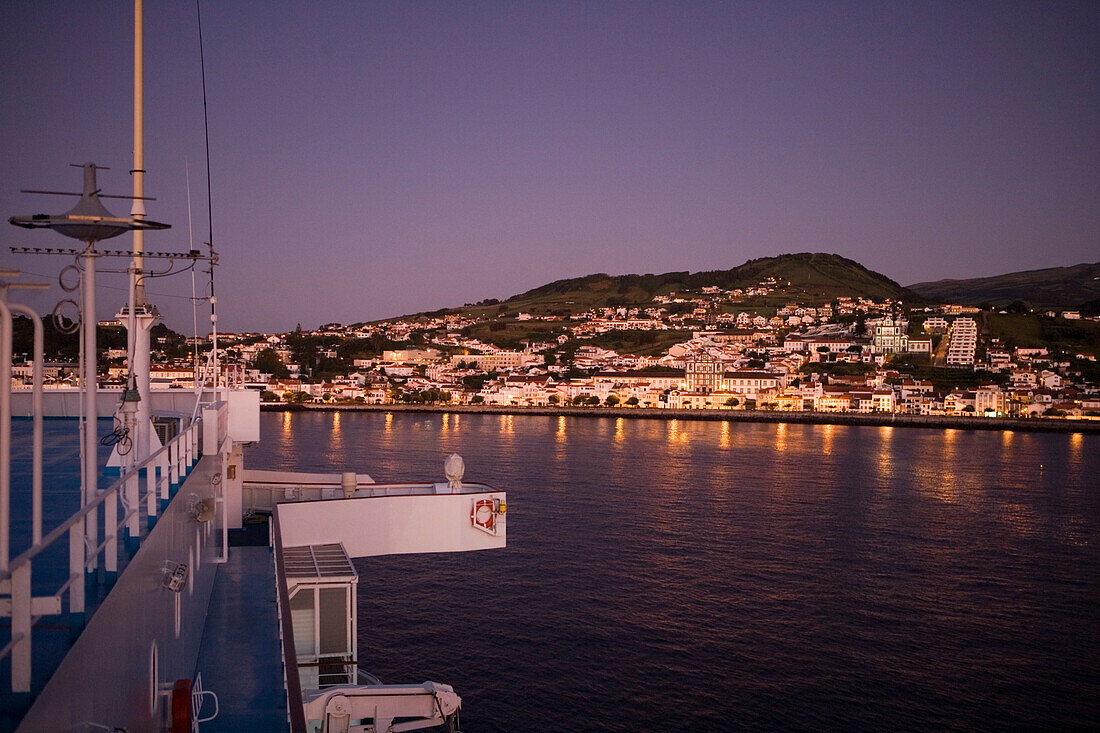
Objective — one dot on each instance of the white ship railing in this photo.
(163, 470)
(262, 496)
(292, 683)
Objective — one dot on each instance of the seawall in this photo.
(1033, 425)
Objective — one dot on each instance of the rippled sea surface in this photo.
(672, 575)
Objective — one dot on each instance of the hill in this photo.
(1053, 287)
(806, 277)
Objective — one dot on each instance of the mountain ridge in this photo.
(807, 275)
(1074, 286)
(824, 270)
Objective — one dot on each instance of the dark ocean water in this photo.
(699, 576)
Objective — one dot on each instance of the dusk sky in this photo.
(373, 159)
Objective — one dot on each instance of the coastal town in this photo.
(691, 350)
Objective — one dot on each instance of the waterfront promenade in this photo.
(1033, 425)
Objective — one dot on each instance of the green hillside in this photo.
(1053, 287)
(806, 277)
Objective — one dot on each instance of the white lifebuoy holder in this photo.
(483, 517)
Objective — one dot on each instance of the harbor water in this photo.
(697, 576)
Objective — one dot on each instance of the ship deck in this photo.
(240, 657)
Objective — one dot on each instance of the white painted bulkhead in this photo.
(370, 526)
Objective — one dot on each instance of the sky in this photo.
(372, 159)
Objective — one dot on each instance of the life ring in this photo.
(481, 515)
(181, 706)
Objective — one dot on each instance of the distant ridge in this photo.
(1054, 287)
(808, 274)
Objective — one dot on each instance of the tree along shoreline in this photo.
(1027, 425)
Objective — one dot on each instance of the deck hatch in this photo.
(328, 561)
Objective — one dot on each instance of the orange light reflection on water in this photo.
(781, 436)
(1076, 441)
(1008, 465)
(945, 486)
(724, 436)
(885, 464)
(676, 436)
(336, 444)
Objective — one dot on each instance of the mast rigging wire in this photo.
(194, 300)
(206, 133)
(210, 224)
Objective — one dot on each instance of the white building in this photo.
(963, 342)
(890, 337)
(497, 360)
(703, 372)
(750, 382)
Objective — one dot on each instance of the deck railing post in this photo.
(110, 532)
(173, 463)
(36, 460)
(181, 458)
(151, 488)
(189, 448)
(91, 539)
(90, 440)
(21, 626)
(162, 471)
(133, 522)
(76, 572)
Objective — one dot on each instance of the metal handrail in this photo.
(262, 496)
(296, 715)
(468, 487)
(39, 361)
(101, 496)
(17, 576)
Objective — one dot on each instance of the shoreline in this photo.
(1031, 425)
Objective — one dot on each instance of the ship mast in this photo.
(138, 209)
(140, 316)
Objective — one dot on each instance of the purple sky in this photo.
(373, 159)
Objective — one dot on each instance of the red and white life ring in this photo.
(483, 516)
